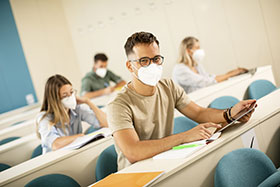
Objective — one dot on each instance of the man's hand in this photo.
(200, 132)
(108, 90)
(239, 107)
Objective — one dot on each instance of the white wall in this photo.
(233, 32)
(46, 41)
(271, 16)
(61, 36)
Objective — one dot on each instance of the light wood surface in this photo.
(199, 168)
(79, 164)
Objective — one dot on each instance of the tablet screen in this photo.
(240, 115)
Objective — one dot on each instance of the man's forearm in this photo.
(135, 149)
(211, 115)
(120, 84)
(140, 150)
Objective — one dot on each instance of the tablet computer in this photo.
(240, 115)
(252, 71)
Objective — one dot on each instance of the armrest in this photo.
(272, 180)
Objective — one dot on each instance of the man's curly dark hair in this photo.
(139, 38)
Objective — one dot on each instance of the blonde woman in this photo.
(59, 122)
(190, 74)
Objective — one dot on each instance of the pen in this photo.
(106, 84)
(185, 146)
(252, 141)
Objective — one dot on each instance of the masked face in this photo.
(198, 55)
(149, 75)
(69, 102)
(101, 72)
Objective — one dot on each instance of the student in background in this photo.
(97, 81)
(190, 74)
(141, 116)
(59, 122)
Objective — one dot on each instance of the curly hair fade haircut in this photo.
(139, 38)
(100, 56)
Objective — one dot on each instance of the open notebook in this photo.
(129, 179)
(82, 141)
(184, 150)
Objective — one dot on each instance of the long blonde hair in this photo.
(184, 57)
(52, 103)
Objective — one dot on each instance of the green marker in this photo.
(185, 146)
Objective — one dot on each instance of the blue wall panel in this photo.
(15, 78)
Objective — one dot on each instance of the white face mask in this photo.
(69, 102)
(198, 55)
(101, 72)
(149, 75)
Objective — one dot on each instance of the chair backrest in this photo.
(53, 180)
(243, 167)
(223, 102)
(100, 106)
(182, 124)
(107, 163)
(260, 88)
(4, 167)
(272, 180)
(19, 122)
(90, 130)
(7, 140)
(37, 151)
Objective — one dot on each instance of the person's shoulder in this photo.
(110, 72)
(89, 75)
(166, 82)
(180, 69)
(181, 66)
(168, 85)
(39, 116)
(122, 104)
(43, 118)
(123, 97)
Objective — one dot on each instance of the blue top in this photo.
(191, 81)
(49, 133)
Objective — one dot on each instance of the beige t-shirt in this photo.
(150, 116)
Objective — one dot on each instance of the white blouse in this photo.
(191, 81)
(50, 133)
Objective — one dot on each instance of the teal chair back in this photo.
(19, 122)
(7, 140)
(90, 130)
(244, 168)
(53, 180)
(260, 88)
(182, 124)
(107, 163)
(272, 180)
(4, 167)
(223, 102)
(37, 151)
